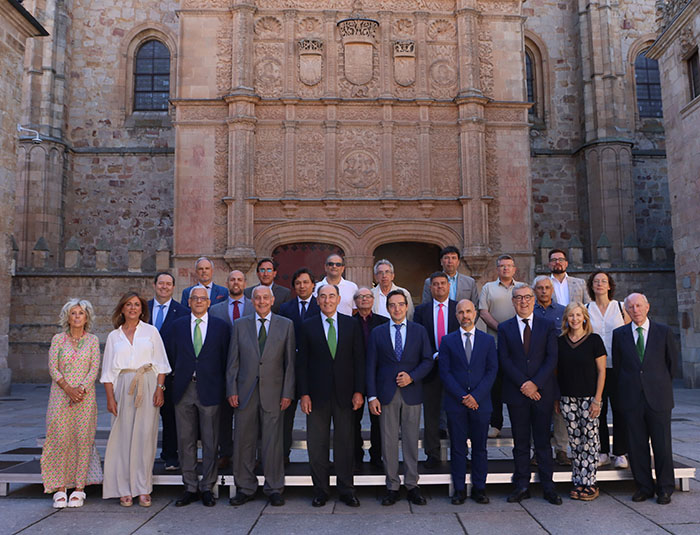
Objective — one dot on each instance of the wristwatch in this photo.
(162, 387)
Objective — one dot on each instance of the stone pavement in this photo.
(28, 511)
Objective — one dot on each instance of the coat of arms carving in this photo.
(405, 63)
(358, 35)
(310, 61)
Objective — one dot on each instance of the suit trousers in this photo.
(432, 404)
(226, 430)
(620, 446)
(472, 425)
(318, 429)
(397, 413)
(644, 423)
(497, 401)
(375, 450)
(168, 451)
(560, 437)
(288, 426)
(192, 416)
(531, 417)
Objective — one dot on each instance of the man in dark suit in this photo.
(644, 356)
(364, 301)
(199, 349)
(468, 366)
(460, 286)
(398, 358)
(297, 309)
(260, 386)
(437, 315)
(331, 378)
(236, 306)
(163, 310)
(205, 273)
(527, 355)
(267, 271)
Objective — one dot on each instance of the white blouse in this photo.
(605, 325)
(120, 354)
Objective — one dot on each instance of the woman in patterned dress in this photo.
(69, 458)
(581, 376)
(133, 372)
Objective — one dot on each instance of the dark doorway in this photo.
(413, 262)
(292, 256)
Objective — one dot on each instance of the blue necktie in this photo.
(398, 343)
(159, 317)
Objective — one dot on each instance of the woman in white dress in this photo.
(606, 315)
(133, 372)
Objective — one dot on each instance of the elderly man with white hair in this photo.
(384, 276)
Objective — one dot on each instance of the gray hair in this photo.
(644, 298)
(522, 285)
(73, 302)
(383, 262)
(202, 258)
(252, 294)
(357, 293)
(541, 278)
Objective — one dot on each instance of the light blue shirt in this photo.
(241, 306)
(156, 308)
(402, 330)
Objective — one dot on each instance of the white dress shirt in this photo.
(521, 324)
(347, 291)
(645, 328)
(202, 326)
(206, 287)
(120, 354)
(561, 289)
(327, 325)
(472, 334)
(258, 323)
(156, 308)
(300, 301)
(445, 314)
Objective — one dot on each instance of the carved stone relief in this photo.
(403, 28)
(442, 30)
(310, 162)
(405, 63)
(406, 164)
(268, 28)
(348, 5)
(220, 186)
(358, 37)
(359, 168)
(269, 161)
(310, 61)
(268, 69)
(687, 41)
(444, 161)
(347, 89)
(223, 57)
(486, 62)
(443, 71)
(310, 26)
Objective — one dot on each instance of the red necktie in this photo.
(441, 324)
(236, 311)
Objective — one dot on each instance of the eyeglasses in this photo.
(266, 270)
(526, 298)
(557, 260)
(370, 296)
(335, 264)
(198, 299)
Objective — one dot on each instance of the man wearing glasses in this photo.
(527, 355)
(335, 267)
(384, 275)
(566, 289)
(267, 271)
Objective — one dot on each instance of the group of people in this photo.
(558, 352)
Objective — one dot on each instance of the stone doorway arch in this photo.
(413, 262)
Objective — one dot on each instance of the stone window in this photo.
(648, 85)
(530, 80)
(152, 77)
(694, 74)
(535, 85)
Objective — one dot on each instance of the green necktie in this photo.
(197, 337)
(640, 343)
(332, 337)
(262, 335)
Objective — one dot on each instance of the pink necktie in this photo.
(440, 325)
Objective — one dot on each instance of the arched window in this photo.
(152, 77)
(530, 81)
(535, 80)
(648, 84)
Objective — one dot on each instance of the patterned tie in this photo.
(303, 309)
(236, 311)
(640, 343)
(468, 347)
(197, 342)
(526, 335)
(159, 317)
(262, 335)
(332, 337)
(440, 324)
(398, 342)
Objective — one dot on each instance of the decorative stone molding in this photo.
(310, 61)
(405, 62)
(687, 41)
(359, 38)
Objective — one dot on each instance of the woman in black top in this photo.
(581, 375)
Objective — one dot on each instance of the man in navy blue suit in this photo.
(198, 347)
(527, 356)
(644, 357)
(398, 358)
(205, 273)
(163, 310)
(302, 306)
(468, 366)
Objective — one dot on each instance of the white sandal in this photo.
(60, 500)
(77, 498)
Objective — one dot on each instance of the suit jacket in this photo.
(577, 291)
(282, 295)
(273, 371)
(218, 294)
(290, 310)
(375, 320)
(650, 379)
(175, 310)
(537, 366)
(462, 378)
(323, 377)
(210, 364)
(383, 366)
(424, 316)
(376, 291)
(466, 289)
(220, 310)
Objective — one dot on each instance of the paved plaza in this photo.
(28, 511)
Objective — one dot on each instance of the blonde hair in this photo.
(64, 316)
(587, 327)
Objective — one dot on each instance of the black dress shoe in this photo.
(241, 498)
(415, 496)
(642, 496)
(208, 499)
(479, 496)
(276, 499)
(391, 497)
(518, 496)
(431, 462)
(350, 500)
(552, 497)
(664, 498)
(186, 499)
(458, 497)
(319, 501)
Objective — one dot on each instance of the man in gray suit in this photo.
(566, 289)
(260, 386)
(267, 271)
(461, 286)
(236, 306)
